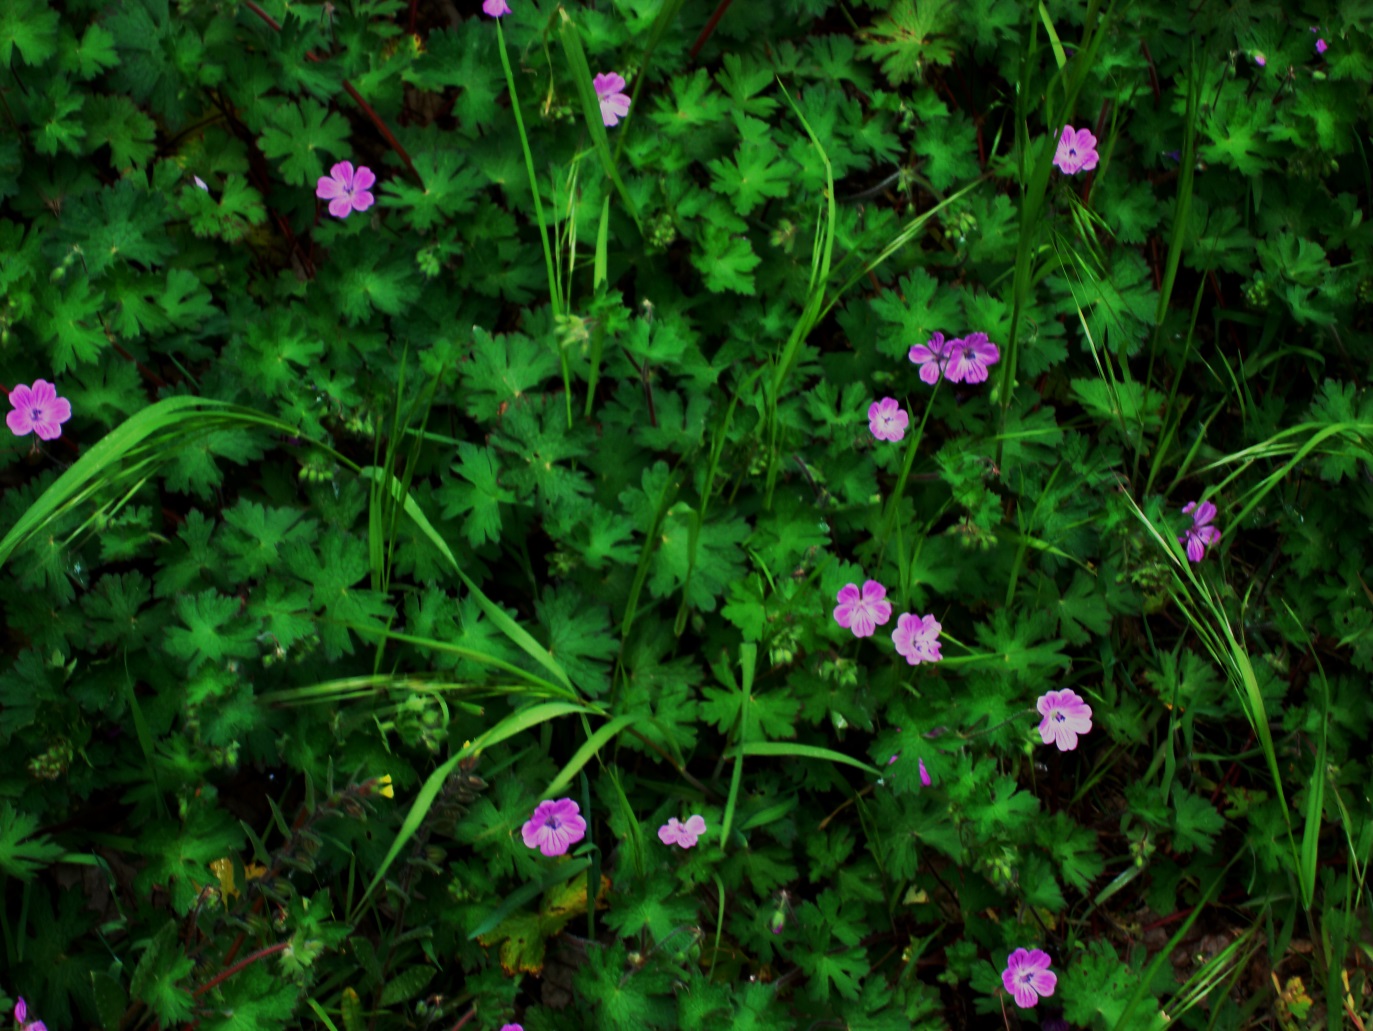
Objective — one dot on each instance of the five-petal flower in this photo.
(38, 409)
(917, 638)
(1076, 151)
(1202, 534)
(862, 614)
(933, 356)
(610, 92)
(970, 358)
(345, 189)
(675, 832)
(887, 420)
(555, 827)
(1027, 976)
(1066, 715)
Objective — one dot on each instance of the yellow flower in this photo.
(386, 790)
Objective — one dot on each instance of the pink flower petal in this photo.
(364, 179)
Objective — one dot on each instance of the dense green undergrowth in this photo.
(540, 477)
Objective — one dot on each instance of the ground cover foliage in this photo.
(540, 478)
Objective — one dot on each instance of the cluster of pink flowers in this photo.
(960, 360)
(38, 410)
(558, 825)
(915, 637)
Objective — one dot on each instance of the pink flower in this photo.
(917, 638)
(1027, 976)
(39, 410)
(1202, 534)
(554, 827)
(862, 615)
(1076, 151)
(886, 419)
(200, 183)
(504, 1027)
(924, 773)
(1065, 717)
(614, 101)
(21, 1012)
(684, 834)
(1260, 60)
(496, 8)
(346, 190)
(1321, 46)
(932, 356)
(970, 358)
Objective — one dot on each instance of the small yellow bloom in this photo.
(386, 790)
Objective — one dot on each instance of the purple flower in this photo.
(684, 834)
(886, 419)
(614, 101)
(1076, 151)
(554, 827)
(346, 190)
(970, 358)
(39, 410)
(21, 1012)
(504, 1027)
(862, 615)
(496, 8)
(917, 638)
(1065, 717)
(1202, 534)
(932, 356)
(924, 773)
(1321, 46)
(200, 183)
(1027, 976)
(1260, 60)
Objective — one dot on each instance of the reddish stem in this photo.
(720, 10)
(310, 55)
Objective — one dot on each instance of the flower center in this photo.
(1026, 976)
(35, 414)
(1072, 152)
(1060, 717)
(552, 823)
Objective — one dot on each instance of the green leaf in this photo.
(503, 369)
(255, 535)
(129, 132)
(70, 324)
(949, 146)
(1195, 822)
(478, 496)
(155, 978)
(95, 52)
(212, 631)
(297, 132)
(406, 984)
(29, 26)
(909, 36)
(757, 171)
(728, 261)
(22, 856)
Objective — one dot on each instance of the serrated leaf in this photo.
(305, 136)
(407, 984)
(30, 27)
